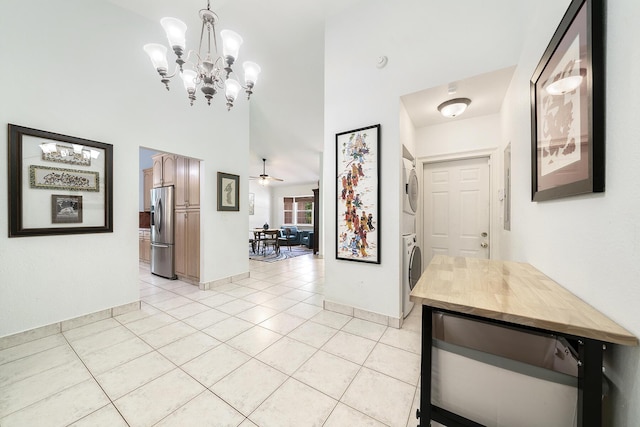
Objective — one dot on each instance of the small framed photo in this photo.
(567, 107)
(66, 209)
(42, 165)
(252, 203)
(228, 192)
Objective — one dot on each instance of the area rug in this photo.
(285, 253)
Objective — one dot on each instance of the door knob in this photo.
(484, 245)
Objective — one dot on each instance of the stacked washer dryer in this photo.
(411, 256)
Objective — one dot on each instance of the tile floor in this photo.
(259, 352)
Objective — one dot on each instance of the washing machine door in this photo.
(415, 267)
(412, 190)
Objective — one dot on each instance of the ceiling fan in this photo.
(264, 179)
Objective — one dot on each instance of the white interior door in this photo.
(456, 208)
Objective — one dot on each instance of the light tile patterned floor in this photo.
(259, 352)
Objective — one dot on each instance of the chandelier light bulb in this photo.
(176, 32)
(189, 79)
(231, 90)
(158, 55)
(251, 71)
(231, 42)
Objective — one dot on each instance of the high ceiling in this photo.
(286, 37)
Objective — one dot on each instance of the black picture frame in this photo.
(358, 195)
(567, 122)
(27, 195)
(228, 192)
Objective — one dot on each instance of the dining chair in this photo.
(258, 240)
(286, 238)
(271, 239)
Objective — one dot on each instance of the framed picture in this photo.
(228, 192)
(63, 179)
(66, 209)
(252, 203)
(567, 107)
(38, 173)
(358, 195)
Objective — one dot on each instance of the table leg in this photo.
(590, 354)
(424, 413)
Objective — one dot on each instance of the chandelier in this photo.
(205, 70)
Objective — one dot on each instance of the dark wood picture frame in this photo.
(358, 195)
(26, 216)
(228, 192)
(567, 107)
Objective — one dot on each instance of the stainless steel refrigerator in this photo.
(162, 233)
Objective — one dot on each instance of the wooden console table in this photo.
(518, 296)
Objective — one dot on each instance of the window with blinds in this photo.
(298, 210)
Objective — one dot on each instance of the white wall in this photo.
(589, 244)
(358, 94)
(78, 68)
(459, 136)
(262, 208)
(407, 131)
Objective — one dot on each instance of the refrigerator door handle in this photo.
(159, 215)
(159, 246)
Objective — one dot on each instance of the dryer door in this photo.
(415, 267)
(412, 190)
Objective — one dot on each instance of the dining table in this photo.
(261, 236)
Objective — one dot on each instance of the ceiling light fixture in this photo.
(210, 71)
(454, 107)
(264, 179)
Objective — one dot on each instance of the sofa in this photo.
(296, 237)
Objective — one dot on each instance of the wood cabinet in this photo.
(164, 170)
(144, 241)
(187, 244)
(147, 186)
(187, 182)
(184, 174)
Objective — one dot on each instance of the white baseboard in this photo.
(65, 325)
(205, 286)
(363, 314)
